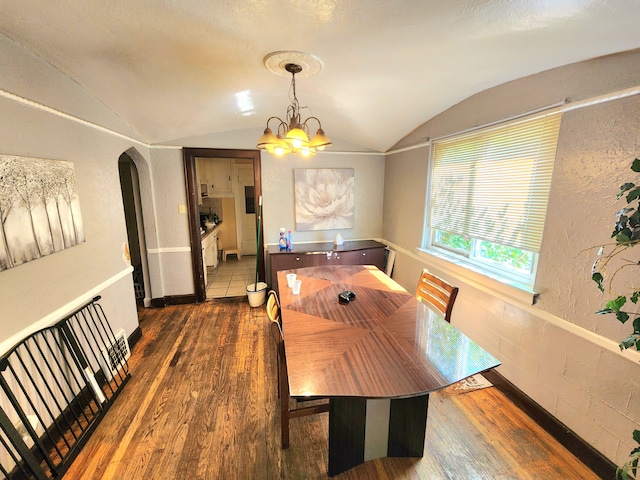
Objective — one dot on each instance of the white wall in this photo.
(170, 258)
(558, 351)
(278, 195)
(37, 293)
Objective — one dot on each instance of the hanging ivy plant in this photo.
(626, 233)
(629, 470)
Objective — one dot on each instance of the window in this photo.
(488, 196)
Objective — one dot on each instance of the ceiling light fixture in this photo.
(293, 137)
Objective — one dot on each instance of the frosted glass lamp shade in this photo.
(297, 138)
(320, 140)
(267, 139)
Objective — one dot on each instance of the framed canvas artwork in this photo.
(39, 209)
(324, 198)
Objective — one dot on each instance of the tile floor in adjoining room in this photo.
(230, 278)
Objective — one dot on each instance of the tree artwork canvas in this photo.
(325, 198)
(39, 209)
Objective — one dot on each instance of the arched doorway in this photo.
(132, 204)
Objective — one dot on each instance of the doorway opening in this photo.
(130, 187)
(198, 190)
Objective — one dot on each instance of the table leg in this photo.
(355, 431)
(408, 426)
(347, 417)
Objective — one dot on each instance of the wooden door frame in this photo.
(190, 155)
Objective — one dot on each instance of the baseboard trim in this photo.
(592, 458)
(135, 336)
(173, 300)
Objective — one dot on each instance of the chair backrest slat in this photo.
(437, 292)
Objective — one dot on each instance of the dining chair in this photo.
(390, 260)
(273, 307)
(286, 411)
(273, 312)
(436, 292)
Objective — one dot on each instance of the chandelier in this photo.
(293, 136)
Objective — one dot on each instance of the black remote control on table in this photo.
(346, 296)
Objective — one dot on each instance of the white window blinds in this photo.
(493, 184)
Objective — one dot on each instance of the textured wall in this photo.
(557, 351)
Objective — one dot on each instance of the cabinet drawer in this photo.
(284, 261)
(319, 259)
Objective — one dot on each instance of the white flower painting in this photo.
(324, 198)
(39, 209)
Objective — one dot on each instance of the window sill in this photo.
(482, 280)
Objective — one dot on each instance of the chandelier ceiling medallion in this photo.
(292, 136)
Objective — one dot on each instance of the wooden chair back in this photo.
(437, 292)
(273, 306)
(286, 411)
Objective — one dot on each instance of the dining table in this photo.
(376, 357)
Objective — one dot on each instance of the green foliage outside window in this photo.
(507, 256)
(503, 255)
(452, 240)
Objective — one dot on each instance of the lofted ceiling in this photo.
(174, 69)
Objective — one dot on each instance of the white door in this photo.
(245, 215)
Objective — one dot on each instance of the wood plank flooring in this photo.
(202, 404)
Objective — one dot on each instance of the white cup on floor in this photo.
(297, 284)
(291, 277)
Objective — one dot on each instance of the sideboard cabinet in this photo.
(357, 252)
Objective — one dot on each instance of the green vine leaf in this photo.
(635, 166)
(624, 236)
(629, 342)
(634, 297)
(617, 303)
(624, 188)
(598, 278)
(633, 194)
(622, 316)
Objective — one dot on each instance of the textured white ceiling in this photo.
(179, 68)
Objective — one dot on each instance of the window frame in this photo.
(470, 260)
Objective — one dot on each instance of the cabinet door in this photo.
(284, 261)
(220, 176)
(201, 170)
(372, 256)
(349, 258)
(314, 260)
(211, 251)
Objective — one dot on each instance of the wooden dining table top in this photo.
(383, 344)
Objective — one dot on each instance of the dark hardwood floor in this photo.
(202, 404)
